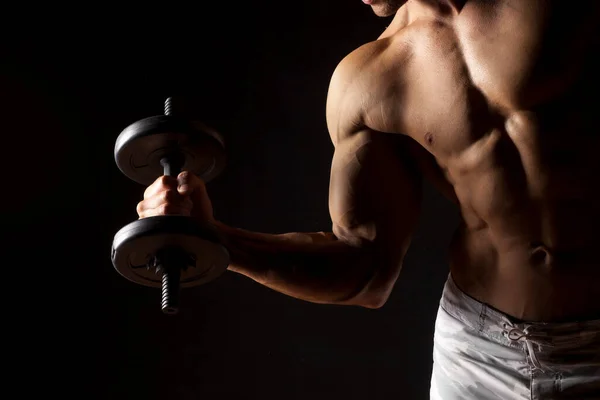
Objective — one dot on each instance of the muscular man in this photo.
(493, 102)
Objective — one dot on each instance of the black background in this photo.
(71, 79)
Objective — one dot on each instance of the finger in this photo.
(165, 209)
(161, 183)
(157, 206)
(189, 183)
(194, 187)
(168, 196)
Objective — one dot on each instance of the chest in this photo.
(464, 82)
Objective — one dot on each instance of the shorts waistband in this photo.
(482, 317)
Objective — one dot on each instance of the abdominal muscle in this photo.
(527, 242)
(521, 283)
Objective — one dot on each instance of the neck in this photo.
(439, 8)
(445, 6)
(413, 10)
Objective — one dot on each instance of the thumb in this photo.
(188, 183)
(191, 185)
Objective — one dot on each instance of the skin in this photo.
(489, 100)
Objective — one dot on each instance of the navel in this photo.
(540, 255)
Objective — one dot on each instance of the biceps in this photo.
(375, 193)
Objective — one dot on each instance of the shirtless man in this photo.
(492, 101)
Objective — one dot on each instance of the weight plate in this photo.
(140, 147)
(135, 244)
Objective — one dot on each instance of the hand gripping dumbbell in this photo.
(169, 252)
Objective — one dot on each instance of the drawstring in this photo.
(523, 335)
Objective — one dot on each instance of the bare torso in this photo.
(501, 98)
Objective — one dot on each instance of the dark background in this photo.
(70, 80)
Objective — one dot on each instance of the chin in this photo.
(386, 8)
(382, 12)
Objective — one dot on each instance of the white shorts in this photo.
(480, 353)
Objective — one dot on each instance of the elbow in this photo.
(376, 292)
(373, 301)
(373, 285)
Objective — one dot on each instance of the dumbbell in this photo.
(169, 252)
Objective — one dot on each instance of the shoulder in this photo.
(349, 87)
(362, 81)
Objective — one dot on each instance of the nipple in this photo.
(429, 139)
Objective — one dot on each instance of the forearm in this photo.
(315, 267)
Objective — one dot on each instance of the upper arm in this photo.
(375, 187)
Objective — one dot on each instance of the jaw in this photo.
(385, 8)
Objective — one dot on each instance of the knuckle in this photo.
(189, 178)
(184, 175)
(168, 209)
(139, 208)
(169, 195)
(166, 181)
